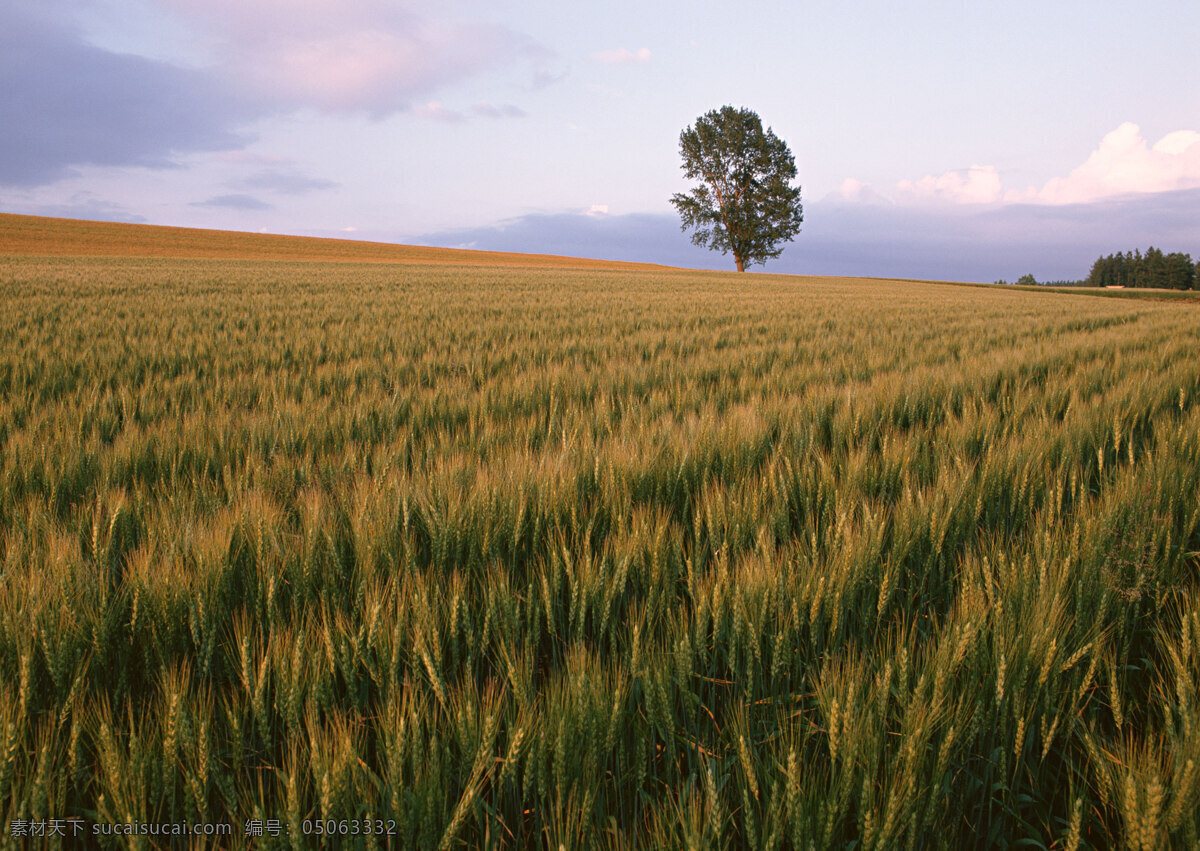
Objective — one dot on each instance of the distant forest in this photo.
(1153, 269)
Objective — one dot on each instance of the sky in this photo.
(947, 139)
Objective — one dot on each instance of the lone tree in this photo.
(745, 203)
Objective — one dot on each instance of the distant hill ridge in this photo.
(53, 237)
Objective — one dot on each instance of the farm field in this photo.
(51, 237)
(522, 553)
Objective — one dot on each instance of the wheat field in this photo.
(519, 556)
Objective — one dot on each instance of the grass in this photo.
(596, 557)
(1178, 297)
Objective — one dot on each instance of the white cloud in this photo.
(1125, 164)
(979, 184)
(623, 56)
(348, 55)
(437, 112)
(855, 191)
(597, 210)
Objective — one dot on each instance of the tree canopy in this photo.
(1154, 269)
(745, 203)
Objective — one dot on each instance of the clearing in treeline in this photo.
(511, 553)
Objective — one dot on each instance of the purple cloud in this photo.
(487, 109)
(66, 103)
(234, 202)
(284, 182)
(81, 205)
(881, 240)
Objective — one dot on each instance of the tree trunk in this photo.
(741, 265)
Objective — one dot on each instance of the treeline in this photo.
(1031, 281)
(1153, 269)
